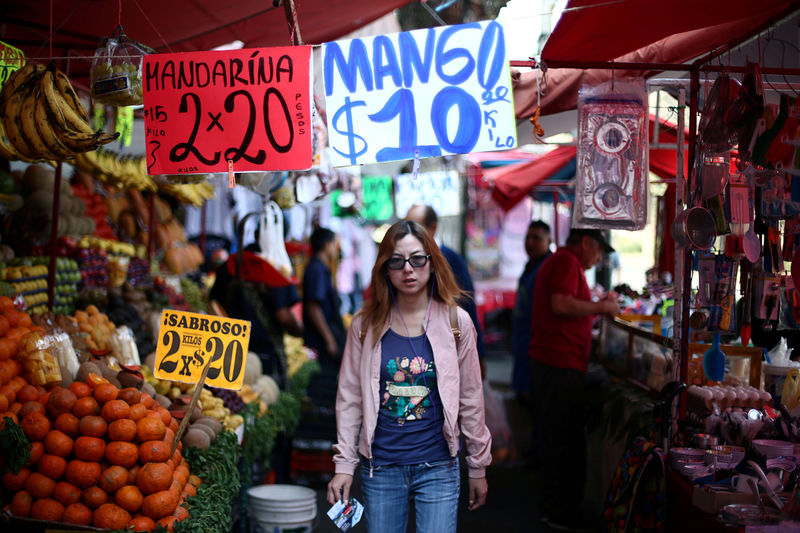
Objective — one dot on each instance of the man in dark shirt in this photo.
(537, 246)
(324, 329)
(426, 216)
(561, 336)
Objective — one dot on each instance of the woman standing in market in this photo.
(409, 381)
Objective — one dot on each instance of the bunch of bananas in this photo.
(41, 117)
(195, 194)
(123, 172)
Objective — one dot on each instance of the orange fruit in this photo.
(24, 320)
(4, 405)
(9, 392)
(30, 406)
(168, 523)
(195, 480)
(154, 477)
(111, 516)
(188, 490)
(146, 400)
(173, 424)
(90, 448)
(37, 451)
(6, 304)
(81, 389)
(141, 522)
(36, 426)
(105, 392)
(154, 451)
(4, 325)
(132, 473)
(66, 493)
(21, 504)
(39, 486)
(77, 513)
(138, 411)
(61, 400)
(150, 428)
(93, 426)
(159, 504)
(83, 473)
(93, 497)
(68, 424)
(52, 466)
(28, 393)
(123, 429)
(85, 406)
(166, 417)
(129, 498)
(122, 453)
(130, 396)
(57, 443)
(47, 509)
(114, 478)
(16, 481)
(181, 513)
(114, 410)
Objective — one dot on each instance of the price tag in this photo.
(251, 107)
(435, 91)
(440, 189)
(378, 201)
(186, 342)
(11, 59)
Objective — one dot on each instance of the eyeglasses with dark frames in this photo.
(398, 263)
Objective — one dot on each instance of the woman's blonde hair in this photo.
(379, 303)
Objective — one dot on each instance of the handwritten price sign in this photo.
(186, 341)
(440, 189)
(251, 107)
(437, 91)
(11, 59)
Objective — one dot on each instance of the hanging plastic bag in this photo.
(117, 70)
(612, 165)
(273, 247)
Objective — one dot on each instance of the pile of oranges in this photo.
(100, 456)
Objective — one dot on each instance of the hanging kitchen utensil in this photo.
(714, 174)
(714, 361)
(750, 241)
(695, 228)
(714, 131)
(743, 115)
(745, 322)
(739, 202)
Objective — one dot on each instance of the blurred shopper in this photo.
(537, 246)
(426, 216)
(561, 325)
(324, 329)
(408, 385)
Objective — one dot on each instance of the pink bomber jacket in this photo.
(458, 378)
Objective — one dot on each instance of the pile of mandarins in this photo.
(100, 456)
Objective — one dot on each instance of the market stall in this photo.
(729, 426)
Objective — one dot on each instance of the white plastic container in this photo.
(279, 508)
(774, 379)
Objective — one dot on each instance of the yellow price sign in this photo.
(11, 59)
(189, 341)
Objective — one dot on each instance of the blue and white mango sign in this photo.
(430, 92)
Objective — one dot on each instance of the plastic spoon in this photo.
(714, 361)
(751, 242)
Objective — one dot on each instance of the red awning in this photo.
(179, 25)
(599, 30)
(671, 32)
(512, 183)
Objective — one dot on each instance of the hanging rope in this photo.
(119, 14)
(152, 25)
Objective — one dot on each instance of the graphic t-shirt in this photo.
(410, 415)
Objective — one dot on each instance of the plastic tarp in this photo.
(635, 31)
(184, 25)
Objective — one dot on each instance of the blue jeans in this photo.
(433, 486)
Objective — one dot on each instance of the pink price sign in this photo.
(249, 107)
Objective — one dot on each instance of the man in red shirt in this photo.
(561, 336)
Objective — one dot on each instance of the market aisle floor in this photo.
(511, 505)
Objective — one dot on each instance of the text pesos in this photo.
(200, 324)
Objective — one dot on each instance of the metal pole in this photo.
(291, 18)
(687, 263)
(51, 269)
(680, 251)
(151, 226)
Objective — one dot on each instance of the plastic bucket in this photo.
(279, 508)
(774, 380)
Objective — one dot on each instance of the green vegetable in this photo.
(210, 509)
(14, 445)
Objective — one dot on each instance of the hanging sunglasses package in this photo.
(611, 177)
(723, 296)
(116, 77)
(789, 313)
